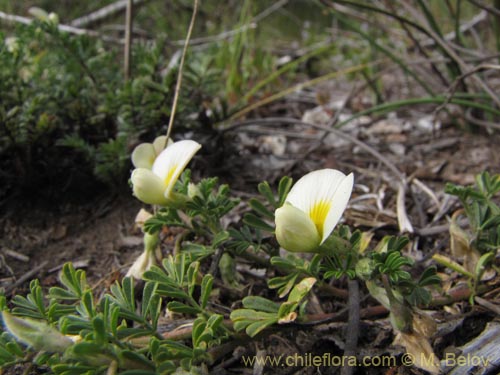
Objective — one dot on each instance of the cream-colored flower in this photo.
(155, 185)
(312, 209)
(148, 257)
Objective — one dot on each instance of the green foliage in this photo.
(388, 262)
(55, 89)
(204, 203)
(262, 213)
(259, 313)
(481, 210)
(105, 331)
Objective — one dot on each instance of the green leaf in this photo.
(180, 307)
(284, 187)
(284, 283)
(255, 328)
(260, 304)
(286, 308)
(59, 293)
(300, 290)
(258, 320)
(86, 349)
(14, 348)
(147, 295)
(256, 222)
(86, 307)
(265, 190)
(482, 263)
(73, 369)
(220, 238)
(99, 331)
(258, 207)
(206, 289)
(74, 280)
(128, 291)
(122, 296)
(429, 277)
(138, 360)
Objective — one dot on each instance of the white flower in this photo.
(154, 186)
(312, 209)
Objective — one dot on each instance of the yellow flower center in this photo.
(318, 214)
(170, 175)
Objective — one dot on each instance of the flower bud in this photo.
(193, 190)
(148, 257)
(142, 264)
(295, 231)
(36, 333)
(53, 18)
(365, 268)
(12, 44)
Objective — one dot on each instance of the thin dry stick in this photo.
(128, 39)
(101, 14)
(27, 276)
(181, 65)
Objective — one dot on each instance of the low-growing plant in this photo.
(69, 330)
(477, 245)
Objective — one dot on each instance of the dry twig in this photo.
(11, 18)
(103, 13)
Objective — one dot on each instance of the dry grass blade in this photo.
(403, 220)
(181, 66)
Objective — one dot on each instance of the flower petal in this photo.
(160, 143)
(148, 187)
(171, 162)
(339, 204)
(143, 156)
(323, 195)
(142, 264)
(295, 231)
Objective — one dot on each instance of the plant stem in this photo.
(352, 334)
(181, 66)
